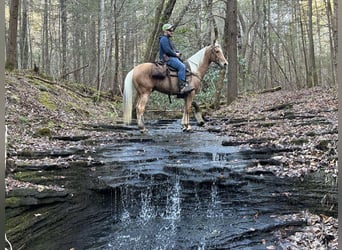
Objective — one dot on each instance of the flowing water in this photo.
(175, 190)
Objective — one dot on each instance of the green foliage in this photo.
(23, 119)
(208, 90)
(161, 102)
(10, 66)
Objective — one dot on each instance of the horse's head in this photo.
(216, 55)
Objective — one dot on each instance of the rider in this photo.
(168, 54)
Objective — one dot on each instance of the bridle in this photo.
(217, 59)
(212, 51)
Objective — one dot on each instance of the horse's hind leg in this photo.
(140, 108)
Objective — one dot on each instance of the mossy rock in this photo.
(12, 201)
(13, 98)
(28, 176)
(43, 132)
(323, 145)
(299, 141)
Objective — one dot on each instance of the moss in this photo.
(45, 99)
(51, 124)
(10, 66)
(43, 132)
(12, 201)
(310, 133)
(323, 145)
(13, 98)
(299, 141)
(268, 124)
(76, 109)
(24, 176)
(22, 222)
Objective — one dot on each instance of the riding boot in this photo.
(184, 87)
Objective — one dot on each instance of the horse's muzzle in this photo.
(223, 65)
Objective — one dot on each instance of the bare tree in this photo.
(286, 51)
(64, 36)
(162, 15)
(332, 41)
(154, 34)
(231, 23)
(24, 36)
(45, 39)
(312, 79)
(11, 51)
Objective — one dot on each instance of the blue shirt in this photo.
(166, 48)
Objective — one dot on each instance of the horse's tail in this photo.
(128, 98)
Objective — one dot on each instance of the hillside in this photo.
(38, 109)
(44, 115)
(303, 123)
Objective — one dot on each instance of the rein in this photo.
(214, 52)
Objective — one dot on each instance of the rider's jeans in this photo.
(177, 64)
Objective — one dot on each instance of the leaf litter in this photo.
(304, 121)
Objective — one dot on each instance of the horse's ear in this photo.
(214, 42)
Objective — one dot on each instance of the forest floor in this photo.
(39, 110)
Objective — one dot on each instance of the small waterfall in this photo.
(147, 211)
(214, 205)
(118, 205)
(173, 204)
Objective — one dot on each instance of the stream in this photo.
(172, 190)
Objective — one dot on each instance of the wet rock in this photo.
(71, 138)
(30, 197)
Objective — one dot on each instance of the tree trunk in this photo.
(159, 20)
(312, 77)
(100, 52)
(24, 37)
(11, 51)
(335, 35)
(332, 42)
(231, 19)
(64, 36)
(45, 38)
(116, 83)
(302, 30)
(154, 34)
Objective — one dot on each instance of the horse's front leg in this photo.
(184, 124)
(140, 108)
(186, 114)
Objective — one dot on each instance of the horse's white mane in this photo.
(196, 60)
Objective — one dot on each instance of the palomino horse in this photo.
(144, 84)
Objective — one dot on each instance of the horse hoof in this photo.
(201, 123)
(187, 129)
(143, 130)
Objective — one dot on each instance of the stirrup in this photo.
(186, 89)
